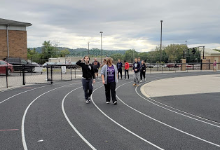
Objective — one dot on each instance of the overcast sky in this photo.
(126, 24)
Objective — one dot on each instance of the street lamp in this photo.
(161, 21)
(88, 48)
(101, 45)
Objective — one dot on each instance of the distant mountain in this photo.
(84, 51)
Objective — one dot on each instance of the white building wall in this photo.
(19, 28)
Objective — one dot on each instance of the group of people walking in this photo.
(109, 75)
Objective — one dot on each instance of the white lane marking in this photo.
(149, 98)
(25, 113)
(40, 141)
(24, 92)
(19, 94)
(180, 111)
(165, 123)
(74, 128)
(123, 126)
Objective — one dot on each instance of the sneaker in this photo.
(87, 101)
(107, 102)
(134, 84)
(141, 81)
(115, 103)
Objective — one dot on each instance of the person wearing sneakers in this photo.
(126, 68)
(109, 74)
(139, 61)
(214, 66)
(96, 66)
(119, 67)
(136, 69)
(143, 70)
(88, 77)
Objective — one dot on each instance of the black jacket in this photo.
(143, 67)
(137, 66)
(87, 70)
(119, 65)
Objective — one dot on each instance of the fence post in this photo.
(23, 73)
(61, 72)
(201, 64)
(71, 73)
(51, 73)
(6, 76)
(47, 72)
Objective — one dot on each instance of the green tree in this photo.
(48, 50)
(175, 52)
(117, 56)
(64, 52)
(130, 55)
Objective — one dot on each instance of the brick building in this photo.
(13, 39)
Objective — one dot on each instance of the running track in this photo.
(56, 117)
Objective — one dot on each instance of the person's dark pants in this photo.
(142, 73)
(110, 88)
(87, 87)
(96, 71)
(120, 71)
(126, 71)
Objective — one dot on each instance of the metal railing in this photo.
(23, 75)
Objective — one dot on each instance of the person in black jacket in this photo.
(88, 77)
(119, 67)
(143, 70)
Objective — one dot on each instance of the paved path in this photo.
(182, 86)
(56, 116)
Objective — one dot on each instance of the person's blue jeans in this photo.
(87, 87)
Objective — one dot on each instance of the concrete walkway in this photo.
(182, 86)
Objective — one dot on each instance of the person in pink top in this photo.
(214, 66)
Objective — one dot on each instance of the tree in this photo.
(130, 55)
(48, 50)
(64, 52)
(175, 52)
(117, 56)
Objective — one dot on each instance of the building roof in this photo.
(210, 52)
(13, 23)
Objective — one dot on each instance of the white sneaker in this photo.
(87, 101)
(141, 81)
(107, 102)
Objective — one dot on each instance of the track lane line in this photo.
(217, 145)
(70, 123)
(121, 125)
(23, 93)
(25, 113)
(182, 113)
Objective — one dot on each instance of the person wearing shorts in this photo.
(96, 66)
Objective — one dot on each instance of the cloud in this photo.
(126, 24)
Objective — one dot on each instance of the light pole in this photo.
(88, 48)
(101, 45)
(161, 21)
